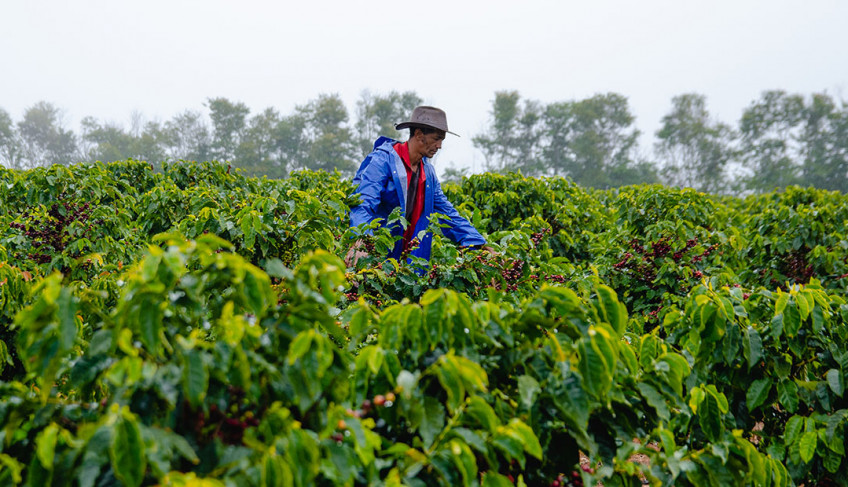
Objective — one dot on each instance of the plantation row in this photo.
(197, 327)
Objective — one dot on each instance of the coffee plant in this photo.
(187, 325)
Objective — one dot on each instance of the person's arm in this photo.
(459, 230)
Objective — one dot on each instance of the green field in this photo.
(193, 326)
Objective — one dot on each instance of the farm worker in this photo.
(401, 175)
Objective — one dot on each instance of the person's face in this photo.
(431, 143)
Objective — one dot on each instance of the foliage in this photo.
(194, 325)
(378, 114)
(695, 150)
(513, 140)
(781, 139)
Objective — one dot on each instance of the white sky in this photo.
(107, 58)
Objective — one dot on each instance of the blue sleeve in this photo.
(459, 230)
(371, 179)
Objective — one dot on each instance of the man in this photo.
(399, 174)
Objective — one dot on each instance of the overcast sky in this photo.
(108, 58)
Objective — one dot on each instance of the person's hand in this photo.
(485, 247)
(355, 253)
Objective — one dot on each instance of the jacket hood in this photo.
(386, 144)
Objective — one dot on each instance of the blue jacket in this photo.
(382, 183)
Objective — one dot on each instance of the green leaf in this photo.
(494, 479)
(480, 411)
(95, 457)
(527, 436)
(45, 445)
(776, 327)
(433, 421)
(195, 377)
(709, 417)
(510, 444)
(598, 357)
(67, 310)
(372, 356)
(731, 344)
(779, 474)
(14, 467)
(832, 461)
(300, 345)
(464, 460)
(150, 323)
(448, 375)
(654, 399)
(807, 445)
(37, 475)
(612, 311)
(782, 300)
(247, 229)
(787, 394)
(805, 304)
(757, 393)
(360, 323)
(818, 320)
(434, 317)
(528, 390)
(792, 430)
(177, 442)
(753, 347)
(127, 452)
(257, 290)
(275, 268)
(5, 357)
(667, 439)
(407, 382)
(649, 346)
(628, 356)
(677, 369)
(791, 321)
(836, 381)
(276, 472)
(473, 439)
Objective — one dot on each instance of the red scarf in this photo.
(402, 150)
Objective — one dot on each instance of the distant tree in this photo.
(10, 144)
(106, 142)
(257, 151)
(186, 136)
(770, 132)
(593, 141)
(824, 141)
(7, 129)
(328, 142)
(44, 139)
(378, 114)
(290, 136)
(454, 175)
(110, 142)
(272, 145)
(149, 142)
(694, 150)
(229, 122)
(511, 143)
(557, 134)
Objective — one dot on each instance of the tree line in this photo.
(781, 139)
(319, 135)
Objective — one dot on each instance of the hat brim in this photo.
(406, 125)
